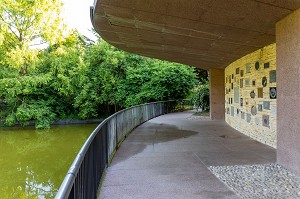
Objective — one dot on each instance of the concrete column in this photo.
(217, 94)
(288, 89)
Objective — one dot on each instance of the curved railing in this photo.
(85, 174)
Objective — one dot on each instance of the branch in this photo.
(10, 25)
(10, 43)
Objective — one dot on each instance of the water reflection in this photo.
(33, 188)
(33, 162)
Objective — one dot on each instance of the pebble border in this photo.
(259, 181)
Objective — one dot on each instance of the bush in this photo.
(200, 96)
(38, 111)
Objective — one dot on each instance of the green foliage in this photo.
(155, 81)
(11, 119)
(202, 75)
(47, 91)
(200, 96)
(72, 78)
(39, 111)
(98, 80)
(24, 23)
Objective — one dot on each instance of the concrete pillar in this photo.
(288, 89)
(217, 94)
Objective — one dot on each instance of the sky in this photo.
(76, 14)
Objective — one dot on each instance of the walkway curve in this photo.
(168, 157)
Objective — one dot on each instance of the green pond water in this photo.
(33, 163)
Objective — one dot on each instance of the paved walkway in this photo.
(168, 158)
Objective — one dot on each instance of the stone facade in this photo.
(250, 95)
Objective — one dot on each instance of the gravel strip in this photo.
(259, 181)
(200, 118)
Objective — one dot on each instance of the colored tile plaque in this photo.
(260, 93)
(248, 117)
(248, 68)
(265, 121)
(236, 93)
(272, 76)
(266, 105)
(267, 65)
(232, 111)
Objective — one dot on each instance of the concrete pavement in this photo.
(167, 158)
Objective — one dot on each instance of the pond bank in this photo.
(59, 122)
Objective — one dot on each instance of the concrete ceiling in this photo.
(200, 33)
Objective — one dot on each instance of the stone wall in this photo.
(250, 95)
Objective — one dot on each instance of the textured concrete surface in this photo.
(217, 94)
(168, 157)
(288, 89)
(202, 33)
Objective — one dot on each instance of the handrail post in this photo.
(117, 132)
(106, 145)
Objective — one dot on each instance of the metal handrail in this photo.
(95, 154)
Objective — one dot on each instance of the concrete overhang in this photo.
(200, 33)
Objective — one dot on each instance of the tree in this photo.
(22, 87)
(105, 66)
(73, 79)
(46, 93)
(22, 24)
(200, 95)
(202, 75)
(155, 80)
